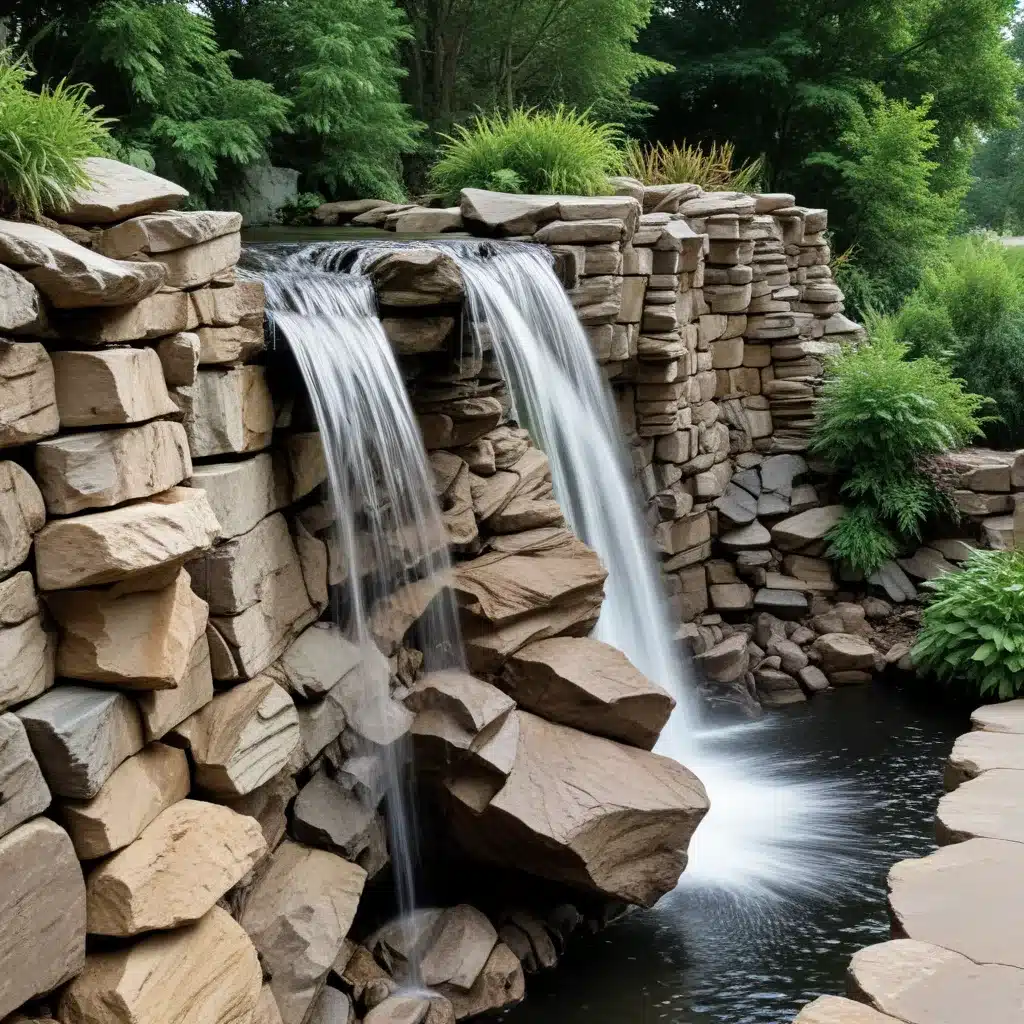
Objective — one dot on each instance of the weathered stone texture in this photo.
(22, 515)
(117, 191)
(28, 402)
(23, 791)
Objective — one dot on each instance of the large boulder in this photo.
(126, 542)
(42, 907)
(586, 811)
(921, 983)
(117, 191)
(966, 898)
(166, 232)
(28, 402)
(298, 914)
(175, 871)
(205, 973)
(71, 276)
(589, 685)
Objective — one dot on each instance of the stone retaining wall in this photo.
(957, 951)
(190, 804)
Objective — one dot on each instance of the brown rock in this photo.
(68, 274)
(161, 710)
(27, 643)
(139, 641)
(843, 652)
(107, 467)
(965, 898)
(231, 412)
(111, 386)
(117, 191)
(414, 335)
(267, 804)
(174, 873)
(241, 303)
(570, 795)
(242, 738)
(42, 906)
(589, 685)
(236, 344)
(920, 983)
(266, 1011)
(28, 404)
(242, 493)
(23, 791)
(22, 515)
(166, 232)
(179, 357)
(80, 735)
(129, 800)
(205, 973)
(798, 531)
(126, 542)
(499, 986)
(416, 277)
(727, 661)
(459, 948)
(316, 662)
(473, 703)
(298, 914)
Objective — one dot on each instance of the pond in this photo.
(701, 957)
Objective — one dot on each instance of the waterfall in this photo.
(391, 540)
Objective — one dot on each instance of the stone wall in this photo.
(190, 750)
(956, 955)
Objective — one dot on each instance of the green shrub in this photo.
(881, 419)
(44, 137)
(559, 152)
(969, 312)
(298, 212)
(711, 168)
(972, 630)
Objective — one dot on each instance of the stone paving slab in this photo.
(981, 751)
(968, 898)
(1008, 717)
(990, 807)
(920, 983)
(836, 1010)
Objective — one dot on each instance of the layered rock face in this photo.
(206, 745)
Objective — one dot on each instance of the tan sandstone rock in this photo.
(242, 303)
(161, 710)
(586, 811)
(110, 387)
(981, 751)
(80, 735)
(42, 906)
(28, 402)
(22, 515)
(179, 357)
(117, 191)
(71, 276)
(316, 662)
(589, 685)
(19, 301)
(142, 787)
(126, 542)
(500, 985)
(107, 467)
(23, 790)
(231, 412)
(199, 264)
(165, 232)
(237, 344)
(298, 915)
(242, 738)
(1006, 718)
(990, 806)
(835, 1010)
(175, 871)
(965, 898)
(242, 493)
(205, 973)
(920, 983)
(27, 643)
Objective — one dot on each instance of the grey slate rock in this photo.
(895, 582)
(737, 505)
(23, 790)
(779, 471)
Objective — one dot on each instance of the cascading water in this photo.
(390, 537)
(773, 831)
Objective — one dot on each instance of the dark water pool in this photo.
(698, 958)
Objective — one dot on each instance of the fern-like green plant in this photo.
(972, 629)
(557, 152)
(44, 137)
(712, 168)
(880, 420)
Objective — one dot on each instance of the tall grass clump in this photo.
(557, 152)
(44, 137)
(968, 312)
(972, 630)
(881, 422)
(712, 168)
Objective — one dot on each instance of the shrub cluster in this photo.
(881, 420)
(972, 631)
(712, 168)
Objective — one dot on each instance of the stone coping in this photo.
(957, 952)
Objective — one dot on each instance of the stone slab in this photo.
(117, 191)
(1006, 718)
(28, 402)
(242, 493)
(161, 710)
(990, 806)
(23, 790)
(982, 751)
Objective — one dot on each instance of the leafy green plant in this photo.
(298, 212)
(972, 630)
(44, 137)
(711, 168)
(557, 152)
(969, 312)
(881, 419)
